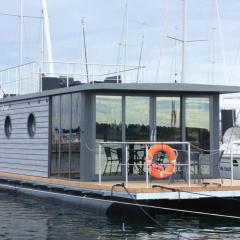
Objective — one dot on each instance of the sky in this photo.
(103, 25)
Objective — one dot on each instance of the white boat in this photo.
(231, 150)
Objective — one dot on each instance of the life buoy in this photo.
(156, 170)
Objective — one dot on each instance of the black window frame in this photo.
(31, 125)
(8, 126)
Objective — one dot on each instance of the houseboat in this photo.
(89, 140)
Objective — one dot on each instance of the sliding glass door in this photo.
(65, 137)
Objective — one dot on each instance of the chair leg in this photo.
(117, 169)
(110, 168)
(105, 168)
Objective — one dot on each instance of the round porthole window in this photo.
(8, 127)
(31, 125)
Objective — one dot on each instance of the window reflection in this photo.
(109, 129)
(168, 118)
(108, 118)
(75, 137)
(66, 136)
(55, 135)
(197, 121)
(137, 129)
(137, 118)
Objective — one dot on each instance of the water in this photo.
(24, 217)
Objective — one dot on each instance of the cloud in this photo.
(103, 24)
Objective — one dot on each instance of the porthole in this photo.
(31, 125)
(8, 127)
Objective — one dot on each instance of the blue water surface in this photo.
(25, 217)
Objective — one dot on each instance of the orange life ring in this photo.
(157, 170)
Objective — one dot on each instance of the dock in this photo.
(156, 190)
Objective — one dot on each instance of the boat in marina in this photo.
(89, 138)
(103, 139)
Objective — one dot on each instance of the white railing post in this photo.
(189, 165)
(67, 81)
(126, 168)
(100, 165)
(231, 157)
(146, 161)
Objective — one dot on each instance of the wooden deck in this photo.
(133, 186)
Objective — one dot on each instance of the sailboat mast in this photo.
(125, 40)
(18, 83)
(21, 32)
(184, 19)
(47, 37)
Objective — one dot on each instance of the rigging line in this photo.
(141, 51)
(85, 49)
(165, 33)
(173, 61)
(205, 150)
(27, 56)
(121, 44)
(39, 39)
(221, 39)
(15, 15)
(210, 43)
(142, 209)
(195, 193)
(234, 63)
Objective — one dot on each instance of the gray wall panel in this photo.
(24, 162)
(26, 141)
(24, 171)
(23, 146)
(20, 153)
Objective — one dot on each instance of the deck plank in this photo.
(133, 186)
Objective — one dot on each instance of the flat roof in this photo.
(133, 88)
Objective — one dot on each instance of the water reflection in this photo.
(24, 217)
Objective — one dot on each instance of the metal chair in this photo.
(112, 155)
(180, 170)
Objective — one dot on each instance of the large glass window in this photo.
(137, 129)
(137, 118)
(55, 135)
(65, 157)
(168, 118)
(109, 129)
(197, 121)
(65, 134)
(75, 137)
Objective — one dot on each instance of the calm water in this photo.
(23, 217)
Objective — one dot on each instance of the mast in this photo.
(18, 85)
(85, 49)
(184, 19)
(21, 32)
(125, 40)
(47, 37)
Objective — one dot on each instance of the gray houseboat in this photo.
(51, 138)
(55, 133)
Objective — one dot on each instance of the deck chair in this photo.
(112, 155)
(180, 170)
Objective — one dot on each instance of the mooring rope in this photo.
(171, 209)
(196, 193)
(142, 209)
